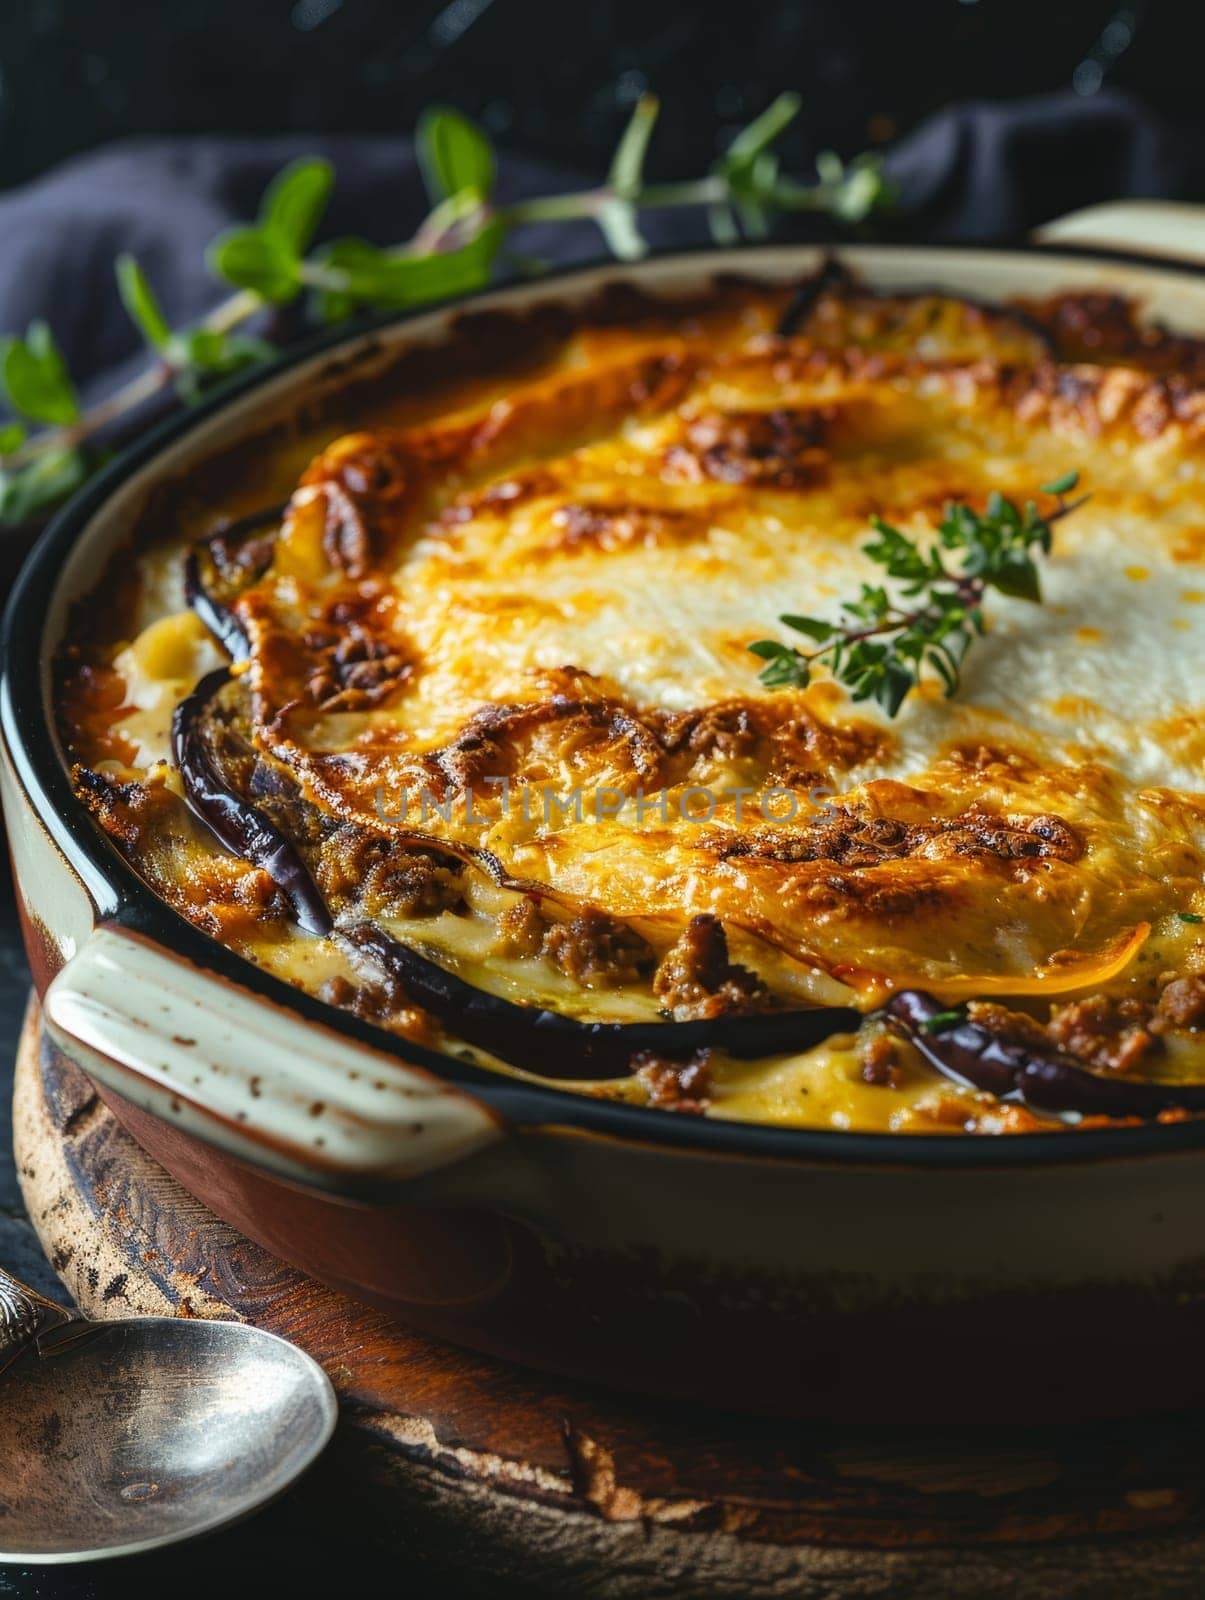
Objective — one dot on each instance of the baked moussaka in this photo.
(782, 705)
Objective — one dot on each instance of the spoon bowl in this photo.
(118, 1437)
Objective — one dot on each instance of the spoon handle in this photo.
(24, 1317)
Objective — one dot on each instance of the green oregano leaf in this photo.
(258, 259)
(395, 281)
(35, 377)
(294, 201)
(267, 258)
(44, 482)
(760, 134)
(203, 355)
(454, 154)
(140, 302)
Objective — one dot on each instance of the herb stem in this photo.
(970, 593)
(232, 312)
(115, 406)
(554, 207)
(696, 192)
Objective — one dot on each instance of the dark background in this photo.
(554, 79)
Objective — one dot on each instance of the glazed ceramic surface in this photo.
(845, 1274)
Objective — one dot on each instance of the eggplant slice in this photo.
(558, 1046)
(832, 274)
(218, 618)
(968, 1053)
(214, 613)
(234, 821)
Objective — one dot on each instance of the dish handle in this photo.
(255, 1079)
(1167, 230)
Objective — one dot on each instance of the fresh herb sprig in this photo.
(881, 649)
(49, 445)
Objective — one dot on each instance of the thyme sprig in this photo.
(882, 647)
(457, 248)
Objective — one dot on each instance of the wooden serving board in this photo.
(512, 1482)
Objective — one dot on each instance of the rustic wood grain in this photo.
(501, 1476)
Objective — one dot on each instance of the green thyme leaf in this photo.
(784, 666)
(454, 155)
(813, 627)
(899, 555)
(1018, 576)
(140, 302)
(1063, 485)
(1190, 916)
(942, 1019)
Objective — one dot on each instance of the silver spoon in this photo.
(117, 1437)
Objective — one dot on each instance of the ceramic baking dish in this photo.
(815, 1271)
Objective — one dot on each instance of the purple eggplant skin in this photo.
(562, 1047)
(831, 273)
(232, 532)
(234, 821)
(219, 619)
(1048, 1080)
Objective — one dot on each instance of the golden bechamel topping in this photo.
(499, 693)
